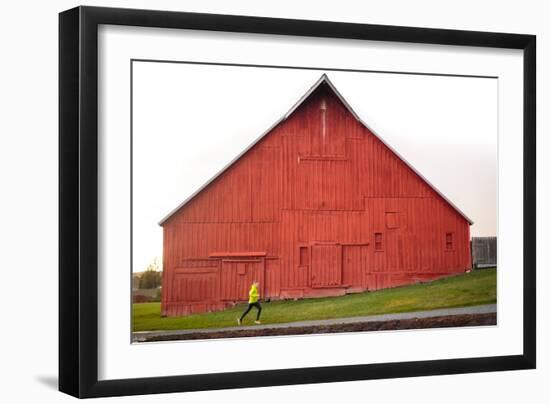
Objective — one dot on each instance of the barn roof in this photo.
(322, 80)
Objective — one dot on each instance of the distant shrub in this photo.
(158, 295)
(141, 299)
(150, 279)
(146, 295)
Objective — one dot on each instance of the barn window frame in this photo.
(393, 220)
(241, 268)
(449, 241)
(304, 256)
(378, 241)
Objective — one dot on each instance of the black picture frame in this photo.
(78, 201)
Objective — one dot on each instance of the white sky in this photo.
(191, 120)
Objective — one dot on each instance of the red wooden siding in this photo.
(300, 212)
(326, 265)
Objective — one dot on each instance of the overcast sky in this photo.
(189, 121)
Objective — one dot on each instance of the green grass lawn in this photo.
(471, 289)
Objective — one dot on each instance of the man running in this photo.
(253, 301)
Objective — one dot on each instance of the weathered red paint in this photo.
(320, 206)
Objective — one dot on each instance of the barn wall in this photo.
(319, 206)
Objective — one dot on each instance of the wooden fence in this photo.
(484, 252)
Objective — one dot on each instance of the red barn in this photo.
(318, 206)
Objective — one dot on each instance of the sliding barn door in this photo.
(326, 265)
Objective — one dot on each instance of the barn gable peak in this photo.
(322, 81)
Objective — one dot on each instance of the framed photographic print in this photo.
(345, 201)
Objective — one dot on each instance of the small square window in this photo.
(392, 220)
(378, 241)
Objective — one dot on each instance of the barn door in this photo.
(355, 265)
(326, 265)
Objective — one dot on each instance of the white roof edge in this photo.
(323, 79)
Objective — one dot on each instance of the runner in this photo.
(253, 301)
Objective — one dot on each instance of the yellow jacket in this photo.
(253, 294)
